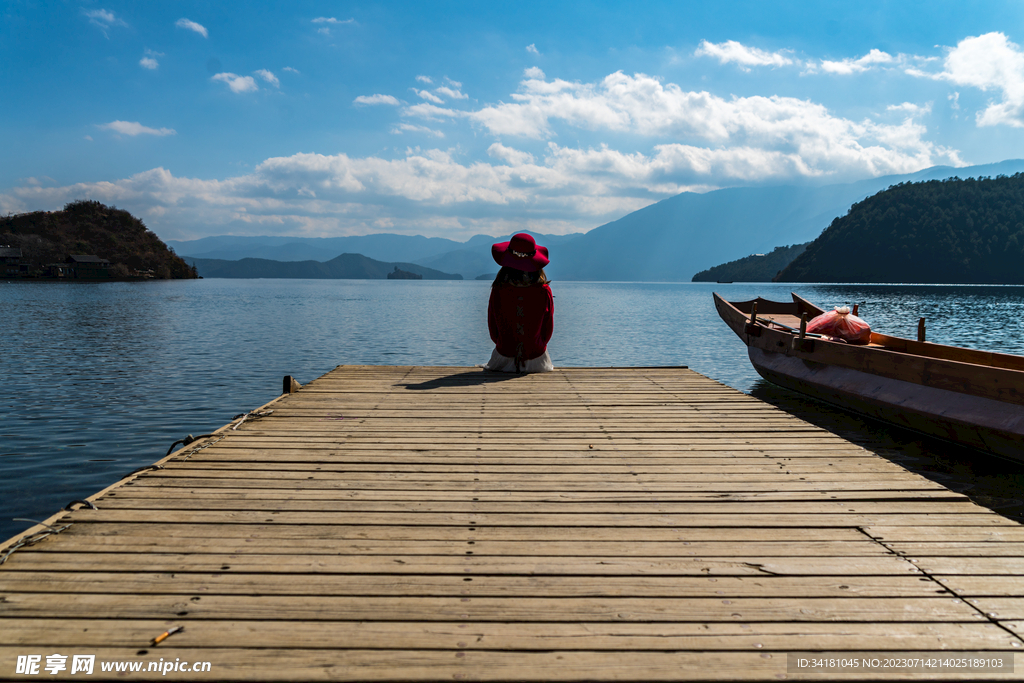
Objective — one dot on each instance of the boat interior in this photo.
(787, 314)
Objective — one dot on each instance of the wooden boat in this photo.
(974, 398)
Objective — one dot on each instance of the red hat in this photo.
(521, 253)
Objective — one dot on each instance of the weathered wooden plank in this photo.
(563, 548)
(476, 585)
(725, 440)
(971, 565)
(335, 459)
(794, 487)
(471, 519)
(724, 506)
(464, 564)
(1000, 608)
(1016, 627)
(910, 533)
(971, 585)
(333, 489)
(370, 471)
(623, 636)
(462, 609)
(961, 548)
(331, 533)
(581, 476)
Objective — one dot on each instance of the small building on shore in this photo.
(88, 267)
(11, 264)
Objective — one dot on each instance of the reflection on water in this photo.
(100, 378)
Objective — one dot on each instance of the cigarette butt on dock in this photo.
(167, 634)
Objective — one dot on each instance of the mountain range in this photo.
(670, 240)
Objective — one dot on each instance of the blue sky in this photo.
(458, 118)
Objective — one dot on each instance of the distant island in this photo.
(86, 240)
(399, 274)
(940, 231)
(753, 268)
(344, 267)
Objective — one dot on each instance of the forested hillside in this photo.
(940, 231)
(753, 268)
(89, 227)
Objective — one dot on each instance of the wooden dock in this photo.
(435, 523)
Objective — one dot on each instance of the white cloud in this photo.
(534, 73)
(513, 157)
(804, 138)
(434, 113)
(425, 79)
(987, 62)
(733, 52)
(410, 128)
(330, 21)
(453, 94)
(427, 95)
(149, 60)
(377, 99)
(911, 109)
(532, 48)
(238, 84)
(291, 70)
(104, 19)
(133, 128)
(852, 66)
(954, 100)
(190, 25)
(268, 76)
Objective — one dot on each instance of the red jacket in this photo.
(521, 319)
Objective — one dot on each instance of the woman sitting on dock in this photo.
(520, 315)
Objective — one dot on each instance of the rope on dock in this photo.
(36, 537)
(251, 415)
(199, 448)
(143, 469)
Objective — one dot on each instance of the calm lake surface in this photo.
(99, 379)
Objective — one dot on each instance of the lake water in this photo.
(100, 379)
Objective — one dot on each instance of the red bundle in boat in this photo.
(842, 324)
